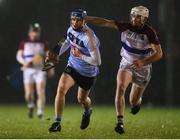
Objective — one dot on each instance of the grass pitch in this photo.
(148, 123)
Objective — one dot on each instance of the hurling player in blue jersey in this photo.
(140, 48)
(82, 68)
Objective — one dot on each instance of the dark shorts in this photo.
(84, 82)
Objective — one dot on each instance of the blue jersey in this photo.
(81, 41)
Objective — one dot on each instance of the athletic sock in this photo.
(87, 111)
(58, 119)
(120, 119)
(30, 104)
(40, 111)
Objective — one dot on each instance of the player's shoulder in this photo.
(22, 44)
(88, 30)
(123, 25)
(69, 29)
(23, 41)
(151, 34)
(149, 29)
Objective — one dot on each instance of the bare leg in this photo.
(41, 97)
(65, 83)
(83, 98)
(29, 91)
(123, 80)
(85, 101)
(29, 97)
(135, 97)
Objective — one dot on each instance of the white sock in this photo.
(30, 105)
(40, 111)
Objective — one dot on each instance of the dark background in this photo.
(53, 15)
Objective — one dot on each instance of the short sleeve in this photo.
(152, 36)
(21, 45)
(122, 26)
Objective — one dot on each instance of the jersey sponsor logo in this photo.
(76, 40)
(134, 37)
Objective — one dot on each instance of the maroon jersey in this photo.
(136, 42)
(32, 48)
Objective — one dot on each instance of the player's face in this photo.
(137, 20)
(33, 35)
(76, 23)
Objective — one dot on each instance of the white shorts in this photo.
(31, 75)
(140, 77)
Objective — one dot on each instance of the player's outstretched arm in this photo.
(95, 57)
(102, 22)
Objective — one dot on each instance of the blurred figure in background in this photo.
(140, 48)
(30, 55)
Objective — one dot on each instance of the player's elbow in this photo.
(18, 56)
(158, 51)
(97, 62)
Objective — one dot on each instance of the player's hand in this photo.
(76, 52)
(51, 57)
(138, 64)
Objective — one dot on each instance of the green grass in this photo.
(149, 123)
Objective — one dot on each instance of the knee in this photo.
(41, 92)
(41, 95)
(133, 101)
(80, 100)
(61, 89)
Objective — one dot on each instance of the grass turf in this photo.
(148, 123)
